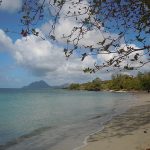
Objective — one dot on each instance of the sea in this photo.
(55, 119)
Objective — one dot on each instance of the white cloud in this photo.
(43, 59)
(10, 5)
(127, 61)
(65, 25)
(5, 41)
(47, 60)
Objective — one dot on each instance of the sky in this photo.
(24, 60)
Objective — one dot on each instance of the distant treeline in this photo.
(118, 82)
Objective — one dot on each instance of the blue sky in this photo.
(26, 60)
(13, 72)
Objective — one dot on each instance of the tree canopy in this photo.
(118, 82)
(122, 26)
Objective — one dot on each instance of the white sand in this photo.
(129, 131)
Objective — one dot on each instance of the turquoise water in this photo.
(52, 117)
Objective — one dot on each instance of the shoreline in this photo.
(68, 138)
(113, 91)
(100, 139)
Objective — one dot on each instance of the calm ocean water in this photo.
(55, 119)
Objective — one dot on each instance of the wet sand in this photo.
(129, 131)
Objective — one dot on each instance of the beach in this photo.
(128, 131)
(62, 120)
(56, 119)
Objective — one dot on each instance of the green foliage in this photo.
(95, 85)
(118, 82)
(144, 80)
(125, 82)
(74, 86)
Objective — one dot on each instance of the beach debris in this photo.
(146, 132)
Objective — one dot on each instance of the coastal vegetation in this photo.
(117, 82)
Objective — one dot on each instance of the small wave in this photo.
(24, 137)
(85, 142)
(113, 113)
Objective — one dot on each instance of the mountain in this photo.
(37, 85)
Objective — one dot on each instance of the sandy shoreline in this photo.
(129, 131)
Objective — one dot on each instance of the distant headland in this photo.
(37, 85)
(43, 85)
